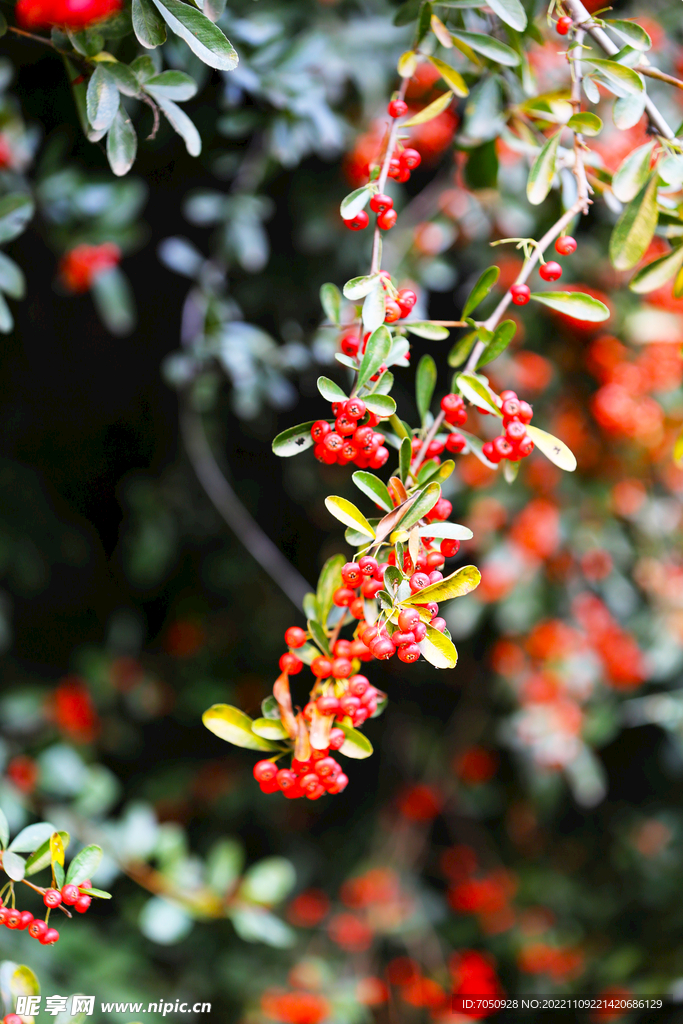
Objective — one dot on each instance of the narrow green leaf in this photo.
(330, 300)
(502, 336)
(633, 232)
(125, 79)
(233, 726)
(462, 348)
(203, 37)
(423, 504)
(585, 123)
(374, 309)
(405, 457)
(6, 318)
(31, 837)
(42, 856)
(510, 470)
(511, 12)
(122, 143)
(446, 531)
(13, 865)
(293, 440)
(619, 79)
(423, 329)
(347, 513)
(328, 581)
(438, 649)
(553, 449)
(543, 171)
(429, 112)
(269, 729)
(359, 287)
(331, 391)
(634, 34)
(179, 120)
(459, 583)
(576, 304)
(373, 488)
(84, 865)
(376, 353)
(657, 273)
(476, 391)
(489, 47)
(475, 445)
(425, 382)
(319, 635)
(171, 85)
(354, 203)
(451, 77)
(99, 894)
(632, 173)
(102, 99)
(12, 280)
(627, 110)
(148, 25)
(486, 281)
(4, 830)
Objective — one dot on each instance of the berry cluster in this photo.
(70, 895)
(550, 271)
(401, 164)
(313, 778)
(352, 439)
(514, 443)
(74, 14)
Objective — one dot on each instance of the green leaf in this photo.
(510, 470)
(553, 449)
(13, 865)
(268, 881)
(356, 744)
(233, 726)
(429, 112)
(99, 894)
(475, 445)
(407, 63)
(657, 273)
(543, 171)
(462, 348)
(575, 304)
(438, 649)
(88, 42)
(330, 300)
(483, 112)
(102, 99)
(328, 581)
(171, 85)
(147, 24)
(180, 122)
(376, 353)
(585, 123)
(331, 391)
(446, 531)
(502, 336)
(428, 471)
(381, 405)
(23, 982)
(6, 318)
(84, 865)
(122, 143)
(126, 82)
(347, 513)
(511, 12)
(633, 232)
(113, 298)
(451, 77)
(43, 855)
(293, 440)
(486, 281)
(622, 81)
(319, 634)
(4, 830)
(489, 47)
(632, 173)
(634, 34)
(214, 9)
(359, 287)
(143, 67)
(353, 203)
(374, 308)
(269, 729)
(59, 874)
(16, 211)
(373, 488)
(425, 382)
(405, 458)
(31, 837)
(253, 924)
(12, 280)
(424, 503)
(474, 389)
(203, 37)
(423, 329)
(459, 583)
(627, 110)
(310, 607)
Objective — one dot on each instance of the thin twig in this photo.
(155, 110)
(382, 180)
(646, 69)
(30, 35)
(226, 502)
(576, 65)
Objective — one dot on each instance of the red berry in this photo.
(565, 245)
(455, 443)
(438, 623)
(13, 919)
(368, 565)
(395, 168)
(327, 766)
(351, 574)
(379, 458)
(550, 271)
(349, 704)
(409, 653)
(449, 547)
(386, 220)
(343, 597)
(407, 618)
(349, 345)
(397, 108)
(327, 705)
(357, 610)
(52, 898)
(489, 452)
(411, 159)
(381, 202)
(337, 738)
(341, 668)
(333, 441)
(355, 408)
(37, 928)
(295, 636)
(563, 25)
(419, 632)
(435, 576)
(502, 447)
(418, 581)
(319, 430)
(521, 293)
(358, 685)
(321, 667)
(70, 894)
(50, 937)
(12, 1018)
(290, 664)
(359, 222)
(515, 431)
(383, 649)
(525, 447)
(526, 413)
(264, 771)
(83, 902)
(26, 919)
(286, 779)
(339, 784)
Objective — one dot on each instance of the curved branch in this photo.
(228, 505)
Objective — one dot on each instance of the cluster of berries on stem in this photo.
(351, 438)
(69, 895)
(514, 443)
(549, 271)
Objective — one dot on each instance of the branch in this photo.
(382, 180)
(155, 110)
(576, 66)
(226, 502)
(582, 19)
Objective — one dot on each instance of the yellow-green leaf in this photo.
(429, 112)
(347, 513)
(269, 729)
(577, 304)
(543, 171)
(356, 744)
(451, 77)
(56, 849)
(585, 123)
(23, 982)
(473, 389)
(459, 583)
(441, 32)
(657, 273)
(438, 650)
(553, 449)
(635, 229)
(632, 173)
(233, 726)
(407, 64)
(678, 448)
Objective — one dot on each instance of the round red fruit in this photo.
(521, 293)
(381, 202)
(386, 220)
(565, 245)
(455, 443)
(411, 159)
(319, 430)
(355, 408)
(295, 636)
(70, 893)
(343, 597)
(563, 25)
(337, 738)
(351, 574)
(409, 653)
(397, 108)
(327, 705)
(26, 919)
(341, 668)
(37, 928)
(83, 902)
(13, 919)
(368, 565)
(52, 898)
(321, 667)
(359, 222)
(407, 619)
(383, 649)
(286, 779)
(264, 771)
(290, 664)
(50, 937)
(550, 271)
(449, 548)
(349, 345)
